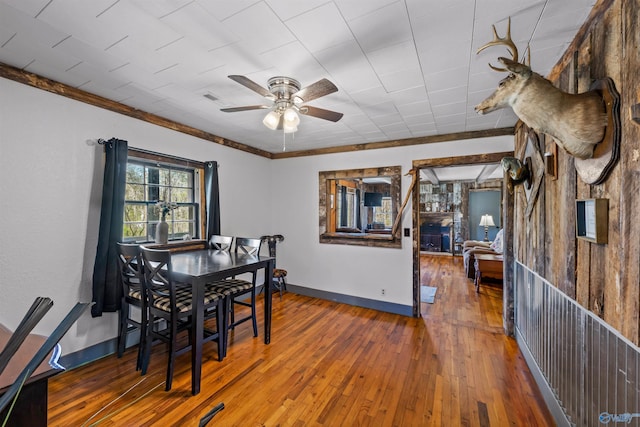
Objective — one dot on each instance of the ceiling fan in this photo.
(287, 101)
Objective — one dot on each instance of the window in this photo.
(347, 212)
(149, 181)
(383, 213)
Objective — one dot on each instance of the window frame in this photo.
(147, 157)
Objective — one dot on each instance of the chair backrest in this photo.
(157, 274)
(130, 263)
(271, 241)
(221, 243)
(248, 245)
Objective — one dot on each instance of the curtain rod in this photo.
(161, 155)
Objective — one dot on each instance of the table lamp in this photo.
(486, 222)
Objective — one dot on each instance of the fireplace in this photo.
(435, 231)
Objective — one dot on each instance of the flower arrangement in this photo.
(165, 208)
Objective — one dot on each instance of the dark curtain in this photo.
(106, 278)
(343, 207)
(357, 203)
(212, 198)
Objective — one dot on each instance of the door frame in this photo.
(415, 202)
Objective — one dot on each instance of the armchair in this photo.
(472, 247)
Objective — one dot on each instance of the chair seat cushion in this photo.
(230, 286)
(183, 300)
(135, 294)
(279, 272)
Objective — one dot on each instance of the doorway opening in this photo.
(455, 225)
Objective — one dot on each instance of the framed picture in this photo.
(592, 217)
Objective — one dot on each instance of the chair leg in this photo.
(223, 323)
(172, 353)
(283, 286)
(232, 312)
(148, 341)
(222, 327)
(122, 333)
(253, 312)
(143, 340)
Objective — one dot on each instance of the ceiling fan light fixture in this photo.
(289, 128)
(286, 96)
(271, 120)
(291, 118)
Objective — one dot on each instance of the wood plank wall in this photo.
(604, 278)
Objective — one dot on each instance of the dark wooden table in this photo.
(489, 266)
(205, 266)
(31, 406)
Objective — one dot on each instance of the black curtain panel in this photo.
(212, 198)
(357, 207)
(106, 278)
(343, 206)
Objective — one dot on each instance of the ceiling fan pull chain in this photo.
(284, 141)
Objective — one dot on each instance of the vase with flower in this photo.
(162, 228)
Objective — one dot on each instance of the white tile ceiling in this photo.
(404, 68)
(478, 173)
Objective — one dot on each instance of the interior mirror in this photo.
(359, 206)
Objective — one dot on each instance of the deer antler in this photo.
(497, 41)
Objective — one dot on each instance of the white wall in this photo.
(50, 192)
(351, 270)
(50, 180)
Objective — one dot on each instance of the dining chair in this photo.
(133, 294)
(221, 243)
(279, 274)
(236, 290)
(172, 301)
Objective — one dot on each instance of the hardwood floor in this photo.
(330, 364)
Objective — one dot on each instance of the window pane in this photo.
(383, 213)
(135, 173)
(181, 179)
(153, 213)
(135, 212)
(182, 228)
(164, 177)
(134, 192)
(135, 231)
(181, 195)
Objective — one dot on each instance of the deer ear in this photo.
(515, 67)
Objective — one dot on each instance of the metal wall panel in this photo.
(591, 370)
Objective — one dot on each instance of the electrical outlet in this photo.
(383, 291)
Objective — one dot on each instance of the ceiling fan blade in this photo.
(244, 81)
(321, 113)
(315, 90)
(247, 108)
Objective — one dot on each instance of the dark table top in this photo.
(208, 262)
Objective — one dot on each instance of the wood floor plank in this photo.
(330, 364)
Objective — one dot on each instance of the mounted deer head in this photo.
(576, 122)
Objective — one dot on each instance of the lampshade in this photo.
(291, 117)
(487, 221)
(271, 120)
(288, 128)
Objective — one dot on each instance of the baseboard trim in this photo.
(89, 354)
(550, 399)
(389, 307)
